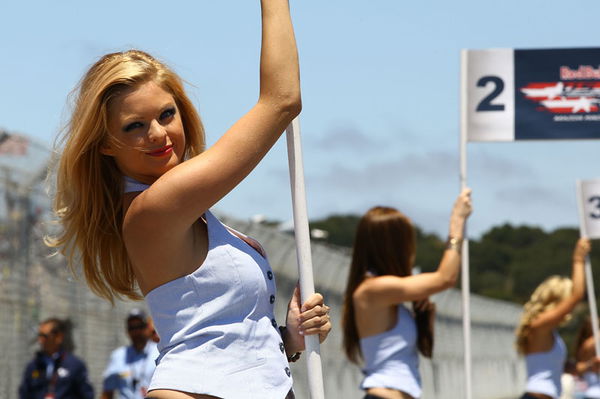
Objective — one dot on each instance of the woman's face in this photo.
(146, 133)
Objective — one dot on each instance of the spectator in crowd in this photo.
(54, 372)
(130, 367)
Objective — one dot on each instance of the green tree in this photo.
(340, 229)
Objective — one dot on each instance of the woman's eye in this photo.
(133, 125)
(167, 113)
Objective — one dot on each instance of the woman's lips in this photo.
(161, 151)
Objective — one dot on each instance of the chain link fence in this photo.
(36, 285)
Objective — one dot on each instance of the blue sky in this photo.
(380, 91)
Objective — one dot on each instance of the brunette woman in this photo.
(378, 326)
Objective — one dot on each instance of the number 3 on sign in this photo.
(596, 213)
(588, 193)
(486, 103)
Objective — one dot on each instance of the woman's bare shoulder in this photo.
(366, 293)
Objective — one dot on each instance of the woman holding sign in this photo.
(588, 362)
(134, 188)
(377, 325)
(549, 306)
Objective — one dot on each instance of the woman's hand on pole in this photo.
(582, 249)
(309, 318)
(460, 212)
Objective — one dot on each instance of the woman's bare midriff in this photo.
(388, 393)
(171, 394)
(539, 395)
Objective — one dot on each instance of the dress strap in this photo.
(131, 185)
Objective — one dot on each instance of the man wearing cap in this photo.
(55, 373)
(130, 367)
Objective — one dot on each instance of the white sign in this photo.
(534, 94)
(589, 207)
(489, 91)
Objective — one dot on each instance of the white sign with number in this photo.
(589, 207)
(490, 103)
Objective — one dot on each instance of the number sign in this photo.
(531, 94)
(589, 203)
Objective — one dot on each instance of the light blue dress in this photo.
(592, 381)
(218, 334)
(391, 358)
(544, 369)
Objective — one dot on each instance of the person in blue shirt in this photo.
(130, 367)
(54, 372)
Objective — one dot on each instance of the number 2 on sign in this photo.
(486, 103)
(596, 213)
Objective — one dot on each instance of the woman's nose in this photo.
(156, 131)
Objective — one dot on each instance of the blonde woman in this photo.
(537, 339)
(378, 326)
(134, 188)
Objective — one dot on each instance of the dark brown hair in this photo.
(585, 331)
(65, 328)
(385, 244)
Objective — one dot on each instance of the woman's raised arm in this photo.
(552, 318)
(390, 290)
(181, 195)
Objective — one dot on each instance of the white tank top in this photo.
(218, 334)
(593, 385)
(544, 369)
(391, 358)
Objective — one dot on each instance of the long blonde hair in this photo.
(89, 186)
(546, 296)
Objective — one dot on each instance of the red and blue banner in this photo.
(531, 94)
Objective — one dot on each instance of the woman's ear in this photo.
(106, 148)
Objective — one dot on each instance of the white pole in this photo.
(303, 254)
(589, 280)
(466, 299)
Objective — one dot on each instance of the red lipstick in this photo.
(159, 152)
